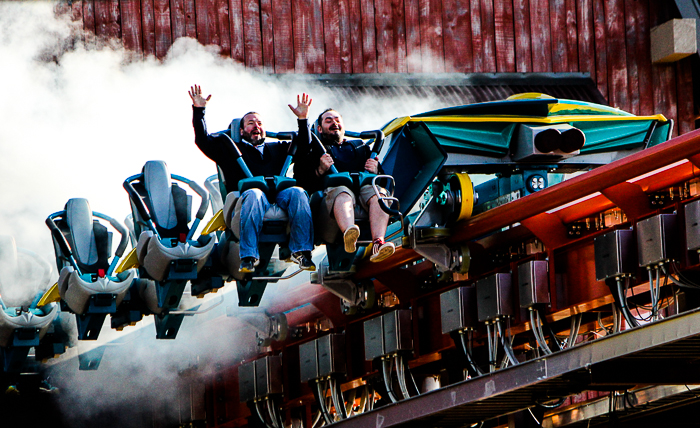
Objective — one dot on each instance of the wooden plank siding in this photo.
(268, 37)
(609, 39)
(282, 28)
(505, 36)
(131, 25)
(236, 26)
(457, 36)
(252, 35)
(149, 22)
(523, 39)
(432, 46)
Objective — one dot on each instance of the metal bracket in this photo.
(267, 327)
(352, 294)
(444, 257)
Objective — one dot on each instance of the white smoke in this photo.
(77, 120)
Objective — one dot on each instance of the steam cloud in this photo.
(78, 120)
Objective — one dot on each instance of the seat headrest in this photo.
(156, 180)
(79, 220)
(234, 129)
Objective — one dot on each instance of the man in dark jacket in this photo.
(263, 159)
(339, 203)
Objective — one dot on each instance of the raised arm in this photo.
(301, 111)
(215, 147)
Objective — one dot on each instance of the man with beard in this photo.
(339, 203)
(263, 159)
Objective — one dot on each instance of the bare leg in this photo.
(343, 211)
(378, 219)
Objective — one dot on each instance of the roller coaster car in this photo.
(28, 325)
(167, 255)
(87, 284)
(337, 268)
(275, 230)
(522, 140)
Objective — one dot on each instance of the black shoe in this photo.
(303, 259)
(248, 264)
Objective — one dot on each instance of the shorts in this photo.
(326, 226)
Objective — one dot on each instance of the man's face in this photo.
(253, 130)
(332, 128)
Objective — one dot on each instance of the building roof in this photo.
(451, 89)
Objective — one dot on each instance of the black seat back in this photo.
(90, 241)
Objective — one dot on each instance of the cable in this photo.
(262, 419)
(677, 271)
(616, 319)
(337, 397)
(401, 375)
(386, 372)
(350, 403)
(274, 415)
(317, 419)
(476, 369)
(622, 297)
(533, 416)
(685, 284)
(657, 294)
(540, 333)
(556, 345)
(554, 405)
(639, 316)
(541, 343)
(492, 357)
(574, 329)
(321, 399)
(364, 399)
(506, 346)
(405, 370)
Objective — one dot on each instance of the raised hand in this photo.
(196, 94)
(301, 111)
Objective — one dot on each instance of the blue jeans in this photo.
(293, 201)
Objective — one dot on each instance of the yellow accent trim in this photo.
(50, 296)
(215, 223)
(367, 252)
(547, 120)
(128, 262)
(553, 108)
(530, 96)
(396, 124)
(466, 189)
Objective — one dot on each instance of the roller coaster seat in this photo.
(275, 220)
(275, 229)
(326, 228)
(21, 326)
(91, 244)
(169, 207)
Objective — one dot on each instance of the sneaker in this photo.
(248, 264)
(381, 250)
(303, 259)
(350, 238)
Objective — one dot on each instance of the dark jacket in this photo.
(350, 156)
(219, 148)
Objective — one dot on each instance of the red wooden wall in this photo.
(607, 38)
